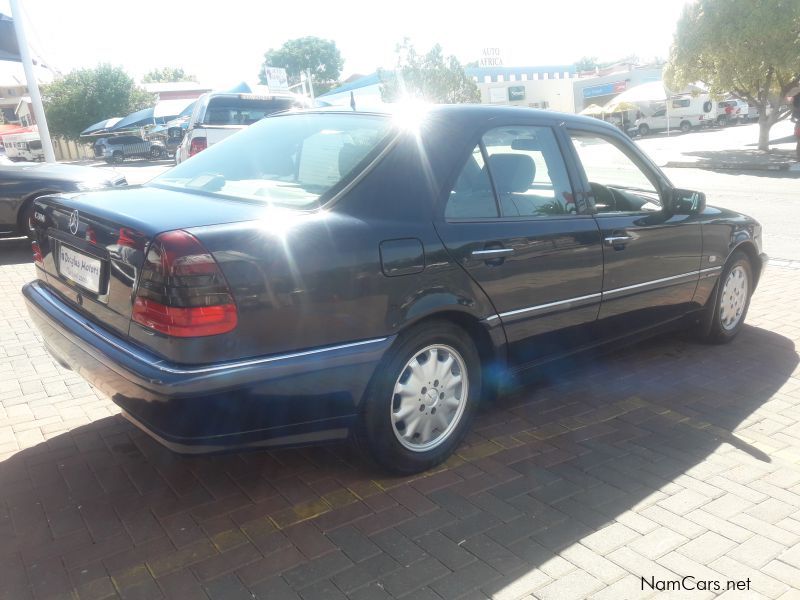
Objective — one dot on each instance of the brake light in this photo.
(198, 145)
(37, 253)
(182, 291)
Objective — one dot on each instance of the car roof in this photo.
(463, 112)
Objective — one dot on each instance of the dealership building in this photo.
(555, 87)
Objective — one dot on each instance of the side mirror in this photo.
(685, 202)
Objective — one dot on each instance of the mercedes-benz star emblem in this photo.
(74, 222)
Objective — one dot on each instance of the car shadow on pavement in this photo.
(104, 511)
(15, 251)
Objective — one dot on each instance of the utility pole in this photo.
(33, 86)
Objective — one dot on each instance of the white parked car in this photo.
(658, 122)
(218, 115)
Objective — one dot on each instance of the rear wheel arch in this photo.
(25, 207)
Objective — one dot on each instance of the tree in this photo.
(86, 96)
(587, 63)
(320, 56)
(167, 74)
(433, 77)
(750, 49)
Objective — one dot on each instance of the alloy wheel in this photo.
(429, 398)
(734, 298)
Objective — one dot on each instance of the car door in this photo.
(513, 222)
(651, 258)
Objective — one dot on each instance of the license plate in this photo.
(79, 268)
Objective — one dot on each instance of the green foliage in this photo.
(750, 48)
(587, 63)
(321, 56)
(167, 74)
(432, 77)
(86, 96)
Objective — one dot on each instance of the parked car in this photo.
(218, 115)
(116, 149)
(22, 183)
(658, 122)
(331, 273)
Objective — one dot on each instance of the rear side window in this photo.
(296, 160)
(233, 110)
(516, 172)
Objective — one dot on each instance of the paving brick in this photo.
(593, 563)
(500, 558)
(609, 538)
(450, 553)
(225, 562)
(684, 501)
(464, 580)
(761, 581)
(408, 579)
(772, 510)
(353, 543)
(575, 587)
(227, 587)
(324, 567)
(657, 542)
(757, 551)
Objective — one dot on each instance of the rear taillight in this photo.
(198, 145)
(182, 291)
(37, 253)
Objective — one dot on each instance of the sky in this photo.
(223, 43)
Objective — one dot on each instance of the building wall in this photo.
(554, 94)
(599, 90)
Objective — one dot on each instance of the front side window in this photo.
(295, 161)
(618, 184)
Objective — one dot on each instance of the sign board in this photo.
(516, 93)
(490, 57)
(605, 89)
(276, 78)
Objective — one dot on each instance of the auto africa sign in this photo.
(490, 57)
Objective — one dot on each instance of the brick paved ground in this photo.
(665, 460)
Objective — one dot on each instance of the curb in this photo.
(785, 166)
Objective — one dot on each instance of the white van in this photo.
(23, 146)
(218, 115)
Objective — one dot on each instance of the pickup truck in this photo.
(218, 115)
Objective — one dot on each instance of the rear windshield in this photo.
(228, 110)
(297, 161)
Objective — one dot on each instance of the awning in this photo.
(138, 119)
(101, 126)
(168, 109)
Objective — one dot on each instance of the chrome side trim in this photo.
(539, 307)
(47, 296)
(649, 283)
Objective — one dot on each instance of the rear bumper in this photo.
(290, 399)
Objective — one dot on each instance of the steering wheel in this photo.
(604, 198)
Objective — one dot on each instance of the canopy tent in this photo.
(138, 119)
(100, 126)
(615, 105)
(592, 110)
(169, 109)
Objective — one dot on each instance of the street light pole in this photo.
(33, 86)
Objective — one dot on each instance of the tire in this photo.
(686, 127)
(24, 217)
(117, 157)
(383, 429)
(732, 301)
(643, 130)
(156, 152)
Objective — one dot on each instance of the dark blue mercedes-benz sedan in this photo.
(326, 274)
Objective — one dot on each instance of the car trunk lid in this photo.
(93, 245)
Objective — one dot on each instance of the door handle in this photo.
(618, 240)
(491, 253)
